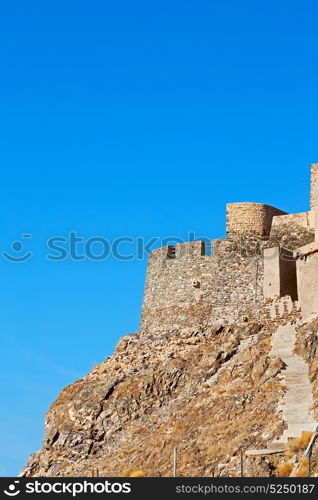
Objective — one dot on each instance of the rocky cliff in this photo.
(207, 391)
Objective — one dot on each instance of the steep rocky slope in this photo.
(207, 391)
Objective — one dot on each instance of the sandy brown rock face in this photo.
(201, 375)
(208, 392)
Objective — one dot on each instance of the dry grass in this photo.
(129, 472)
(261, 416)
(126, 472)
(219, 390)
(298, 444)
(124, 453)
(267, 341)
(305, 438)
(293, 448)
(284, 469)
(302, 470)
(217, 450)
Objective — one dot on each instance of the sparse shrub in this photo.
(138, 473)
(299, 444)
(284, 469)
(267, 340)
(129, 472)
(305, 438)
(302, 470)
(126, 472)
(217, 450)
(293, 447)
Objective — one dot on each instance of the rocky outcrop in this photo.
(207, 392)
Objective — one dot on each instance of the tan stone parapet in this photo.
(303, 219)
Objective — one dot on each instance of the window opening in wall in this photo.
(171, 253)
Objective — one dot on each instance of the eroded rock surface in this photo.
(208, 392)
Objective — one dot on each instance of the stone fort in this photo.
(268, 260)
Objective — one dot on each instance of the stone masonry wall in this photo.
(250, 219)
(314, 186)
(290, 234)
(185, 287)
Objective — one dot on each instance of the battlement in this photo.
(302, 219)
(250, 219)
(185, 251)
(186, 287)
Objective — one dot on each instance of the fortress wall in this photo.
(192, 288)
(294, 230)
(250, 219)
(247, 247)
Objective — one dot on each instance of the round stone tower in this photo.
(250, 219)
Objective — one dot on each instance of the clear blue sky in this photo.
(138, 118)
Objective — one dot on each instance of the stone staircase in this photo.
(297, 401)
